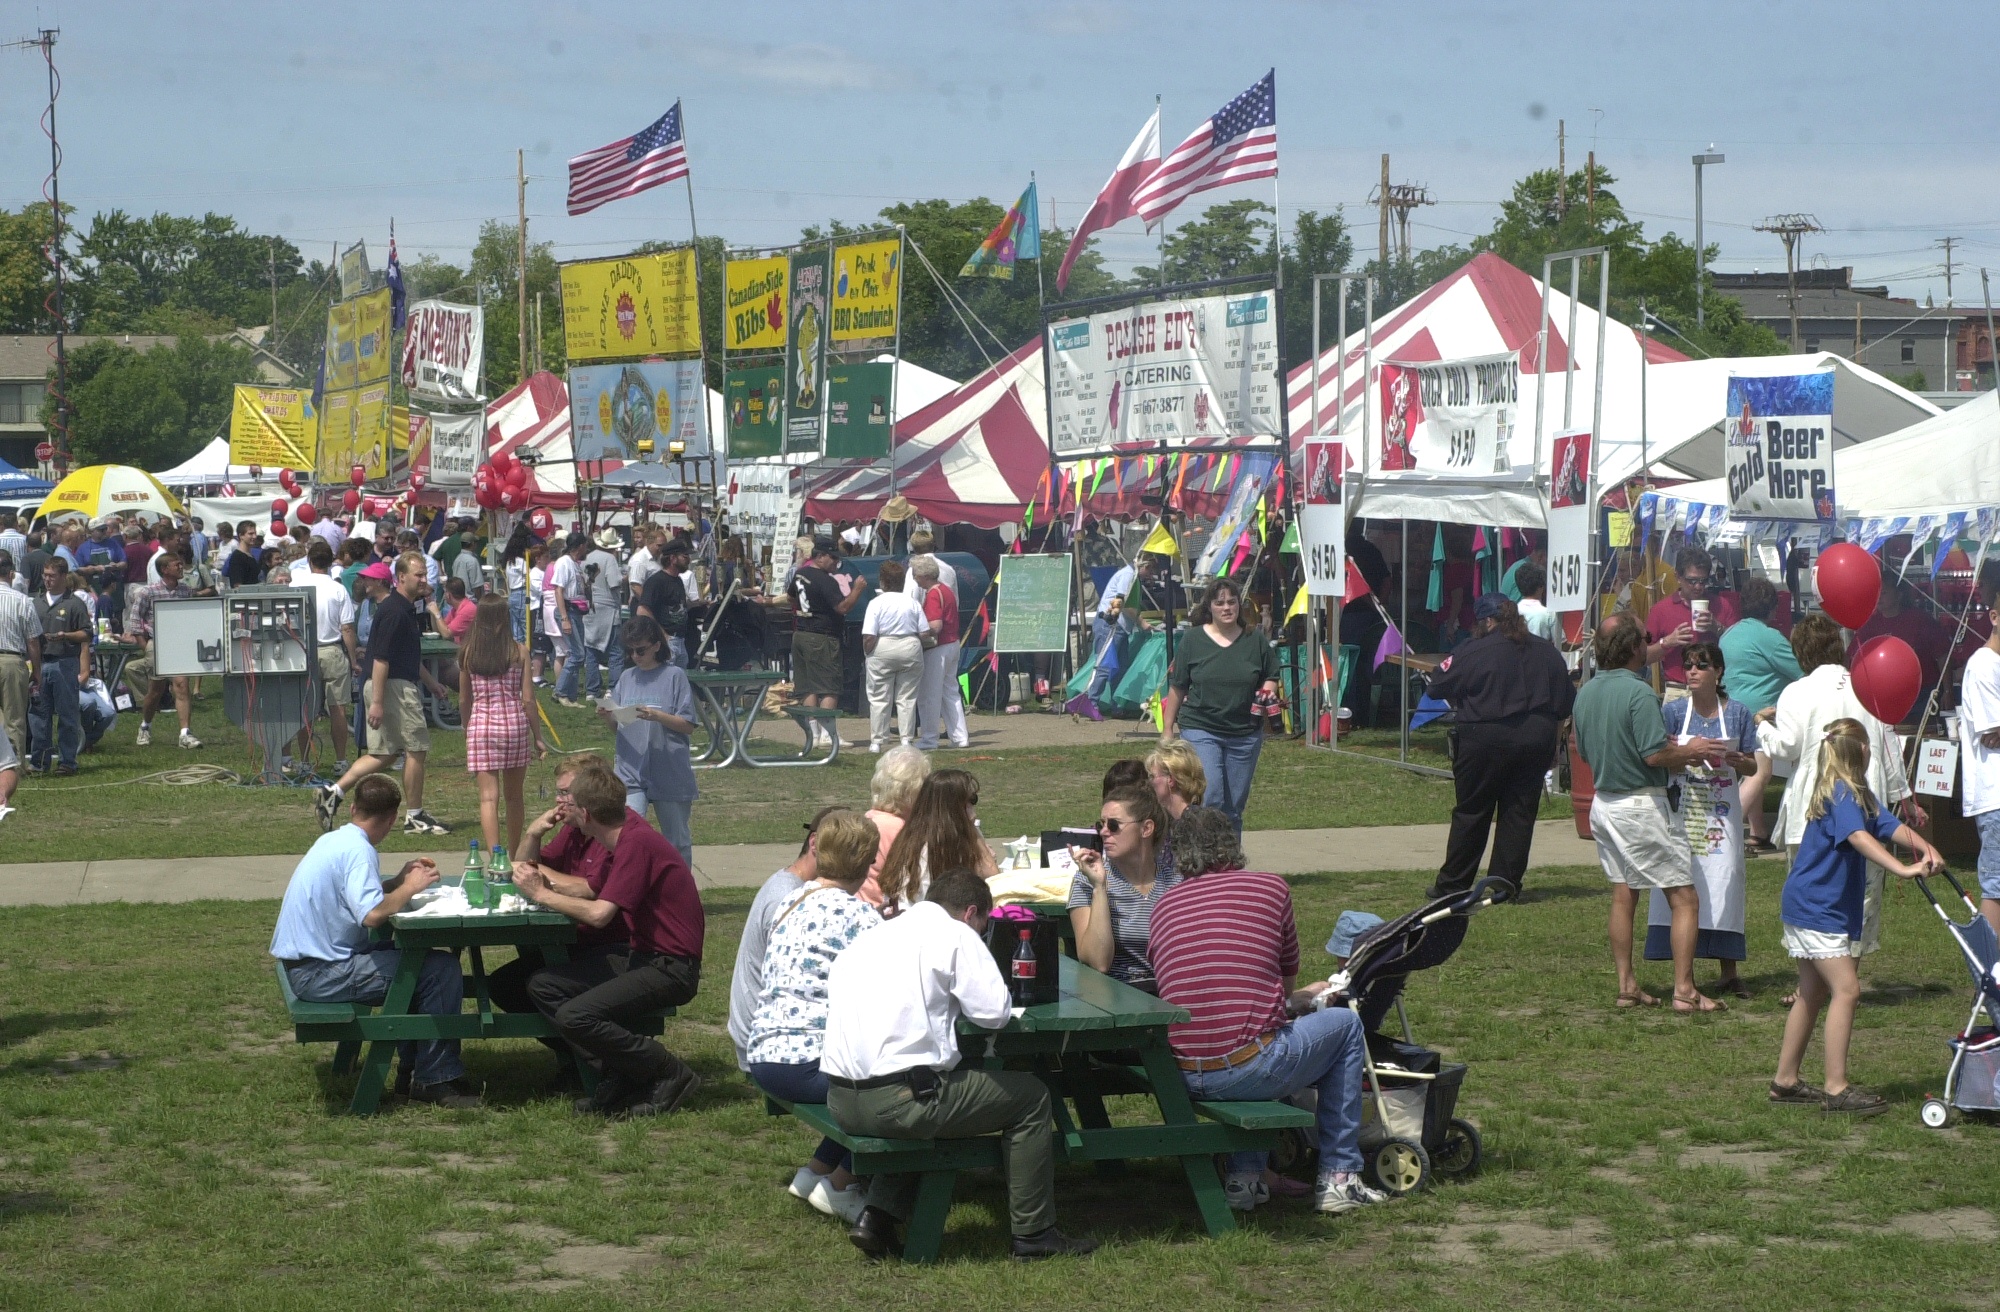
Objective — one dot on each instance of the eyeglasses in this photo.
(1695, 580)
(1699, 665)
(1111, 826)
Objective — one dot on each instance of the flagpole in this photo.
(1163, 218)
(1041, 297)
(701, 338)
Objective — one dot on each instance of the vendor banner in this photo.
(373, 424)
(1778, 446)
(1450, 416)
(274, 427)
(867, 289)
(753, 317)
(336, 434)
(754, 412)
(857, 410)
(805, 351)
(765, 503)
(1569, 524)
(354, 275)
(1323, 519)
(615, 407)
(339, 360)
(1249, 475)
(631, 307)
(443, 346)
(1201, 372)
(446, 449)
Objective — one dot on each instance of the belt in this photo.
(1228, 1060)
(880, 1081)
(19, 656)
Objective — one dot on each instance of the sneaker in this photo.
(1050, 1243)
(419, 821)
(570, 702)
(843, 1203)
(804, 1181)
(455, 1095)
(65, 772)
(668, 1094)
(1244, 1192)
(145, 736)
(6, 811)
(875, 747)
(612, 1096)
(1340, 1192)
(326, 805)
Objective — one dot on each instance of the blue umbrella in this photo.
(14, 483)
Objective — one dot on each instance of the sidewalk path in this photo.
(745, 865)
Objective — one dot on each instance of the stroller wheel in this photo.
(1296, 1153)
(1460, 1152)
(1935, 1113)
(1398, 1167)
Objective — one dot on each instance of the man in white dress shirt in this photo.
(891, 1058)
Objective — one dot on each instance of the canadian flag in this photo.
(1114, 202)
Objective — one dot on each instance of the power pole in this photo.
(521, 305)
(1403, 197)
(1382, 238)
(1562, 172)
(44, 40)
(1710, 156)
(271, 337)
(1790, 227)
(1947, 243)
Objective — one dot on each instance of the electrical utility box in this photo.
(251, 631)
(187, 638)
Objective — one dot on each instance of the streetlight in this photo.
(1712, 156)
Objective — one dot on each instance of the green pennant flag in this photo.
(1291, 542)
(1434, 602)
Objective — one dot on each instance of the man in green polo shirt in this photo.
(1623, 739)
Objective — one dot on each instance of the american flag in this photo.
(1238, 144)
(628, 166)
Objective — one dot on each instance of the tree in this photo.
(494, 274)
(171, 274)
(1227, 240)
(154, 408)
(26, 280)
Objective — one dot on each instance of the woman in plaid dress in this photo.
(501, 734)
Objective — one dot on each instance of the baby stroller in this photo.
(1408, 1128)
(1972, 1081)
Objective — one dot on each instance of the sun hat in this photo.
(610, 540)
(379, 570)
(1351, 926)
(898, 510)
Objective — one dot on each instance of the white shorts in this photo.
(1818, 944)
(1639, 840)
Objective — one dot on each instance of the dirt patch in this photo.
(465, 1162)
(457, 1240)
(299, 1183)
(1477, 1234)
(399, 1172)
(1753, 1162)
(77, 1063)
(573, 1263)
(1954, 1225)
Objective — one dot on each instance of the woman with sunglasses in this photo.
(1711, 814)
(942, 833)
(1111, 900)
(653, 758)
(1222, 685)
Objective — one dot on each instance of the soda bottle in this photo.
(474, 881)
(474, 863)
(499, 877)
(1023, 984)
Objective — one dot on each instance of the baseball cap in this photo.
(1488, 606)
(379, 570)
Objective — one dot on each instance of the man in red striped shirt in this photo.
(1224, 945)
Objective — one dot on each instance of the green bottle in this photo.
(499, 877)
(474, 882)
(473, 863)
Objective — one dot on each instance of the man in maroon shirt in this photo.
(643, 888)
(1225, 947)
(1672, 624)
(1896, 617)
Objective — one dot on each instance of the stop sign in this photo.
(45, 451)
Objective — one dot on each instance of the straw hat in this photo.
(898, 510)
(609, 539)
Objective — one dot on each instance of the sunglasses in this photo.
(1111, 826)
(1699, 665)
(1695, 580)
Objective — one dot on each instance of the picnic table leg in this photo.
(344, 1054)
(924, 1235)
(375, 1068)
(1091, 1113)
(1176, 1108)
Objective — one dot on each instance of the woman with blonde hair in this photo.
(1844, 828)
(899, 777)
(1177, 776)
(501, 733)
(941, 834)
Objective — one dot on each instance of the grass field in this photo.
(167, 1145)
(98, 815)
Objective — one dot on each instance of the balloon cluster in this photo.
(1886, 672)
(501, 483)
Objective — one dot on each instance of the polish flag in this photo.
(1114, 202)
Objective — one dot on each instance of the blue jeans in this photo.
(800, 1082)
(1320, 1050)
(1988, 823)
(675, 822)
(1103, 633)
(573, 675)
(677, 647)
(1230, 761)
(95, 724)
(366, 976)
(58, 699)
(517, 608)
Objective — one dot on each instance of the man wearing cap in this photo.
(820, 625)
(664, 599)
(467, 566)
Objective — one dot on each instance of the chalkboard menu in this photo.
(1034, 609)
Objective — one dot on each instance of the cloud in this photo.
(1077, 18)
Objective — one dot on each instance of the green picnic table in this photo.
(437, 653)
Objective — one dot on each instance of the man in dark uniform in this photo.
(1362, 626)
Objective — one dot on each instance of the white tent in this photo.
(210, 465)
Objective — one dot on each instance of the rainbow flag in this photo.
(1018, 236)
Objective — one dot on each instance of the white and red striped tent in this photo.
(532, 418)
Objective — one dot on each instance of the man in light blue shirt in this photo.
(1115, 600)
(323, 937)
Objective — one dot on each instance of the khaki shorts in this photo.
(403, 726)
(139, 672)
(336, 680)
(1639, 840)
(815, 665)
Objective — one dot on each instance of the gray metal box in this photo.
(270, 630)
(188, 638)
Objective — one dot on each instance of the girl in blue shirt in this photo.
(1845, 829)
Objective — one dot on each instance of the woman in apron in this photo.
(1712, 814)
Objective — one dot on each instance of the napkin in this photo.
(619, 714)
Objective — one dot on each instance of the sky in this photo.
(324, 123)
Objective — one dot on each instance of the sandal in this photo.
(1798, 1093)
(1759, 847)
(1638, 999)
(1789, 998)
(1734, 987)
(1699, 1002)
(1855, 1102)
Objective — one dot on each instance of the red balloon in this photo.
(278, 529)
(488, 496)
(285, 476)
(1849, 582)
(306, 513)
(357, 475)
(517, 475)
(541, 522)
(416, 482)
(350, 500)
(279, 506)
(514, 498)
(501, 462)
(1887, 678)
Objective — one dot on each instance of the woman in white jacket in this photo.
(1792, 730)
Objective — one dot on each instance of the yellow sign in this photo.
(372, 426)
(753, 316)
(1620, 525)
(631, 307)
(371, 337)
(274, 427)
(867, 288)
(340, 356)
(336, 436)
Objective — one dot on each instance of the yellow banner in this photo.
(336, 436)
(753, 317)
(371, 337)
(631, 307)
(372, 428)
(867, 289)
(274, 427)
(340, 354)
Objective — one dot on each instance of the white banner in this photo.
(766, 502)
(458, 442)
(1450, 416)
(1323, 520)
(1199, 372)
(442, 349)
(1569, 524)
(1778, 446)
(614, 407)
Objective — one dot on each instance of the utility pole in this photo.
(1947, 243)
(521, 304)
(1562, 172)
(271, 337)
(1382, 237)
(1399, 199)
(1590, 187)
(1710, 156)
(44, 40)
(1790, 227)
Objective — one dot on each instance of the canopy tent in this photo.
(531, 421)
(209, 466)
(1489, 307)
(1940, 476)
(14, 483)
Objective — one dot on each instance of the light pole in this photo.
(1711, 156)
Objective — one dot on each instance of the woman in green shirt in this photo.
(1222, 683)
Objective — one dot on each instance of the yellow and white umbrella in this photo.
(99, 490)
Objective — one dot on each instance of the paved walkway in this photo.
(745, 865)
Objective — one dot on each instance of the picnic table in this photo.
(729, 702)
(437, 653)
(1078, 1045)
(108, 660)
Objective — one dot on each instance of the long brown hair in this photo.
(490, 648)
(938, 836)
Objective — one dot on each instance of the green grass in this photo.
(98, 815)
(167, 1146)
